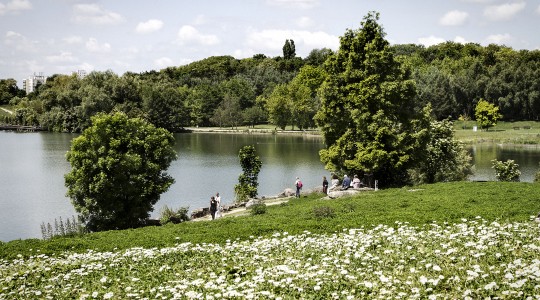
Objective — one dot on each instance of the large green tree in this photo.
(118, 171)
(486, 114)
(367, 114)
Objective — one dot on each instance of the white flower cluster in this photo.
(471, 260)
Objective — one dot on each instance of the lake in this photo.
(32, 168)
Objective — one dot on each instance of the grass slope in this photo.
(443, 202)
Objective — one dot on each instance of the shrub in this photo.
(168, 215)
(322, 212)
(258, 209)
(506, 171)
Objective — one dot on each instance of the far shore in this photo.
(266, 130)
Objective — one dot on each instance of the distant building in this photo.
(80, 73)
(30, 84)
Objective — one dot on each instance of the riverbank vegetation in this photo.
(458, 239)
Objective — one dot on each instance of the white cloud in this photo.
(303, 4)
(305, 22)
(94, 14)
(63, 57)
(149, 26)
(20, 42)
(430, 40)
(498, 39)
(504, 11)
(93, 45)
(163, 62)
(460, 40)
(538, 10)
(189, 34)
(454, 18)
(15, 6)
(273, 40)
(73, 40)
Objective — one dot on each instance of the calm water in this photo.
(32, 168)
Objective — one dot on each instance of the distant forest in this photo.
(224, 91)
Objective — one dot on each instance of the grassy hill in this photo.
(443, 202)
(449, 240)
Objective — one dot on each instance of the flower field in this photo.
(472, 259)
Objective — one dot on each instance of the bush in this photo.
(258, 209)
(322, 212)
(506, 171)
(168, 215)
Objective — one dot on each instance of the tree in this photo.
(486, 114)
(228, 113)
(289, 50)
(248, 180)
(506, 171)
(165, 106)
(367, 115)
(118, 171)
(278, 106)
(445, 158)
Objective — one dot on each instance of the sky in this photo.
(63, 36)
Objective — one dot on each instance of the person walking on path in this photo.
(218, 209)
(324, 185)
(213, 207)
(298, 185)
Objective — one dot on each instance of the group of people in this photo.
(215, 201)
(345, 184)
(215, 206)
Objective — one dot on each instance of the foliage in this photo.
(486, 114)
(71, 227)
(117, 171)
(164, 106)
(258, 209)
(289, 50)
(248, 180)
(445, 159)
(322, 212)
(506, 171)
(169, 215)
(279, 106)
(368, 117)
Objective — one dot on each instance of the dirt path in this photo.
(242, 210)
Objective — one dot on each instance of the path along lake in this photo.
(32, 168)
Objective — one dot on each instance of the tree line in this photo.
(284, 90)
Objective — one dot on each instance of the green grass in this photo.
(503, 132)
(443, 202)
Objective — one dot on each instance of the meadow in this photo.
(447, 240)
(522, 132)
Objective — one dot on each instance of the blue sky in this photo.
(62, 36)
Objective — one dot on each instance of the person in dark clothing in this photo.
(346, 182)
(213, 207)
(324, 185)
